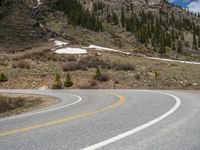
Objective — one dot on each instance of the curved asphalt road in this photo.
(107, 119)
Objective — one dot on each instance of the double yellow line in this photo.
(118, 103)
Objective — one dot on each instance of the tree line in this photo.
(76, 14)
(158, 31)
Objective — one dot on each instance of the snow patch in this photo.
(70, 50)
(107, 49)
(171, 60)
(60, 43)
(39, 2)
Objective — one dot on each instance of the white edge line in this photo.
(139, 128)
(43, 111)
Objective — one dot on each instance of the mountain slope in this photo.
(153, 25)
(17, 21)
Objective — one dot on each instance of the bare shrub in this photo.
(3, 63)
(103, 78)
(137, 76)
(123, 66)
(72, 66)
(71, 58)
(87, 84)
(8, 103)
(93, 62)
(92, 83)
(22, 64)
(43, 55)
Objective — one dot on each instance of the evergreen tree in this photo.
(98, 74)
(173, 46)
(76, 14)
(3, 78)
(162, 46)
(68, 82)
(194, 42)
(180, 47)
(115, 19)
(199, 41)
(122, 17)
(108, 17)
(57, 82)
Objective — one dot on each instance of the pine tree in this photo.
(108, 17)
(180, 47)
(115, 18)
(77, 14)
(122, 17)
(173, 46)
(68, 82)
(199, 41)
(98, 74)
(162, 46)
(194, 42)
(3, 78)
(57, 82)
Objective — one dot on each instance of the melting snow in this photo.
(60, 43)
(39, 2)
(107, 49)
(69, 50)
(171, 60)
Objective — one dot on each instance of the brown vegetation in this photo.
(22, 64)
(7, 103)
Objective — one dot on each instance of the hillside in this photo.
(17, 22)
(148, 25)
(109, 37)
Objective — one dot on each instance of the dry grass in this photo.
(22, 64)
(7, 103)
(125, 66)
(3, 63)
(72, 66)
(93, 62)
(89, 84)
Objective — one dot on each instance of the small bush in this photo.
(57, 83)
(8, 103)
(3, 78)
(123, 66)
(92, 83)
(68, 82)
(93, 62)
(2, 63)
(73, 66)
(101, 77)
(137, 76)
(43, 55)
(87, 84)
(22, 64)
(71, 58)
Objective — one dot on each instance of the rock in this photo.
(194, 84)
(43, 88)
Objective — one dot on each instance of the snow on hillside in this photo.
(60, 43)
(70, 50)
(107, 49)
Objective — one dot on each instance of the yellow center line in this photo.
(118, 103)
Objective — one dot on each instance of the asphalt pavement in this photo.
(108, 120)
